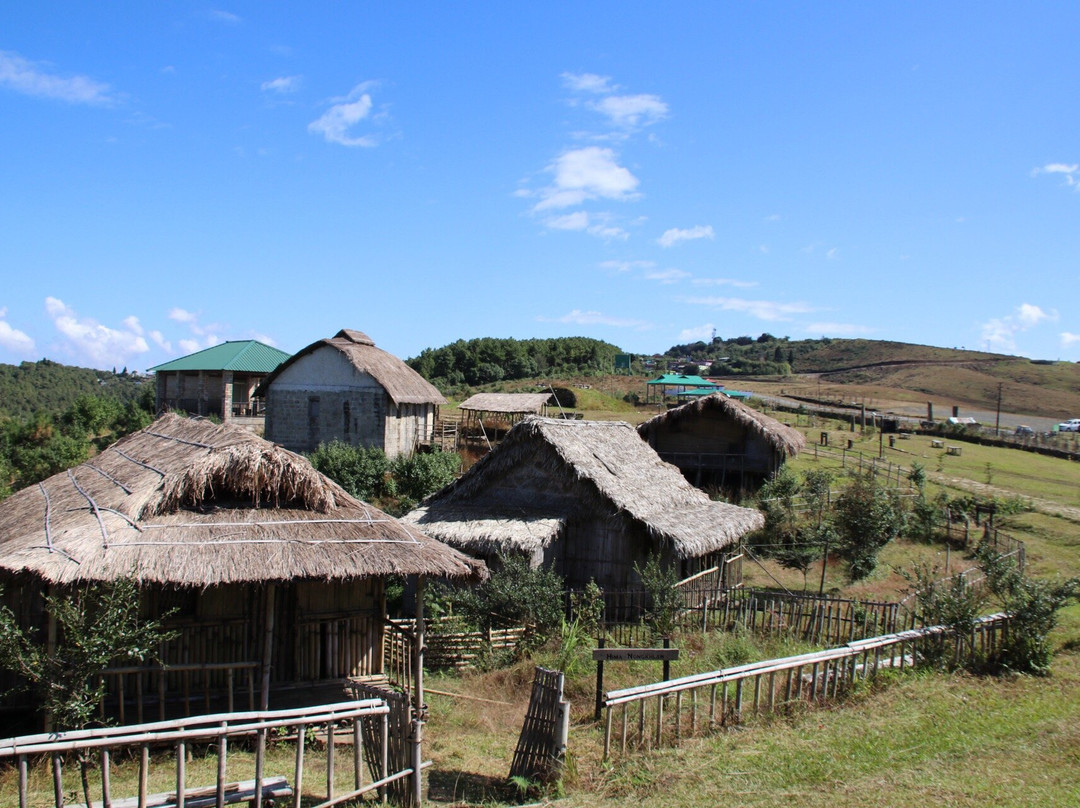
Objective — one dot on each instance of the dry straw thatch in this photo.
(547, 472)
(188, 503)
(784, 439)
(510, 403)
(403, 384)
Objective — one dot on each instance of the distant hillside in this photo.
(48, 386)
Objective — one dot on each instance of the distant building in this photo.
(218, 381)
(344, 388)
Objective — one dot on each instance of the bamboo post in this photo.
(607, 734)
(358, 759)
(418, 712)
(329, 761)
(144, 770)
(659, 719)
(384, 753)
(181, 773)
(23, 786)
(298, 769)
(223, 751)
(58, 781)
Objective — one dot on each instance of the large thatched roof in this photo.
(547, 472)
(511, 403)
(189, 503)
(403, 384)
(783, 438)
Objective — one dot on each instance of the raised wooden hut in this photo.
(718, 441)
(586, 497)
(344, 388)
(258, 557)
(486, 417)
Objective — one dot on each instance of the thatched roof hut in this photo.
(507, 403)
(588, 497)
(253, 556)
(344, 388)
(188, 503)
(717, 440)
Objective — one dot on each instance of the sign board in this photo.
(626, 654)
(622, 361)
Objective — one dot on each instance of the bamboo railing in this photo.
(182, 734)
(139, 686)
(718, 698)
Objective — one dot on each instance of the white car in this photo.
(1072, 425)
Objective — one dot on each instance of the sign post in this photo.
(600, 655)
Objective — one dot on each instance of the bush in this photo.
(665, 600)
(867, 518)
(419, 475)
(364, 473)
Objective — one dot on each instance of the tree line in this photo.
(489, 359)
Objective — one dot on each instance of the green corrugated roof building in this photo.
(219, 381)
(245, 356)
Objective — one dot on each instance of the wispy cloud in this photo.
(16, 341)
(631, 111)
(34, 79)
(220, 15)
(1070, 172)
(762, 309)
(1000, 333)
(701, 333)
(90, 340)
(579, 317)
(826, 329)
(675, 235)
(335, 124)
(588, 83)
(588, 173)
(595, 225)
(667, 275)
(282, 84)
(1069, 339)
(724, 282)
(626, 266)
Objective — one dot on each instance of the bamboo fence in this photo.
(541, 747)
(704, 701)
(181, 735)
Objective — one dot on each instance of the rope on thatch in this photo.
(48, 530)
(126, 456)
(108, 477)
(226, 540)
(94, 508)
(180, 440)
(278, 523)
(125, 517)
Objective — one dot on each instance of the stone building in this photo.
(218, 381)
(344, 388)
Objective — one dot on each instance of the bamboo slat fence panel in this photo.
(138, 693)
(180, 735)
(662, 713)
(386, 744)
(541, 747)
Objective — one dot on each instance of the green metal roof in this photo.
(245, 356)
(682, 380)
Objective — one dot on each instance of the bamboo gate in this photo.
(541, 747)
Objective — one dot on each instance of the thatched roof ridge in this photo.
(403, 384)
(783, 438)
(609, 467)
(189, 503)
(507, 402)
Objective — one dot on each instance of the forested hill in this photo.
(48, 386)
(488, 359)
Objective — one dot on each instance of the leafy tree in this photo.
(665, 600)
(418, 475)
(1033, 605)
(516, 593)
(952, 602)
(364, 473)
(867, 518)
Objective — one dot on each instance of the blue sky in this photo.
(174, 174)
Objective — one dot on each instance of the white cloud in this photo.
(1068, 339)
(32, 79)
(832, 253)
(838, 329)
(588, 83)
(182, 315)
(773, 217)
(335, 123)
(667, 275)
(702, 333)
(597, 225)
(762, 309)
(675, 235)
(1070, 172)
(282, 84)
(159, 340)
(265, 340)
(578, 317)
(13, 339)
(190, 346)
(626, 266)
(91, 340)
(724, 282)
(578, 220)
(999, 333)
(133, 325)
(588, 173)
(631, 110)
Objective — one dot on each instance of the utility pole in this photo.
(997, 423)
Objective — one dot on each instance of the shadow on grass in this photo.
(455, 786)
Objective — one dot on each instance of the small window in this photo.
(345, 411)
(313, 408)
